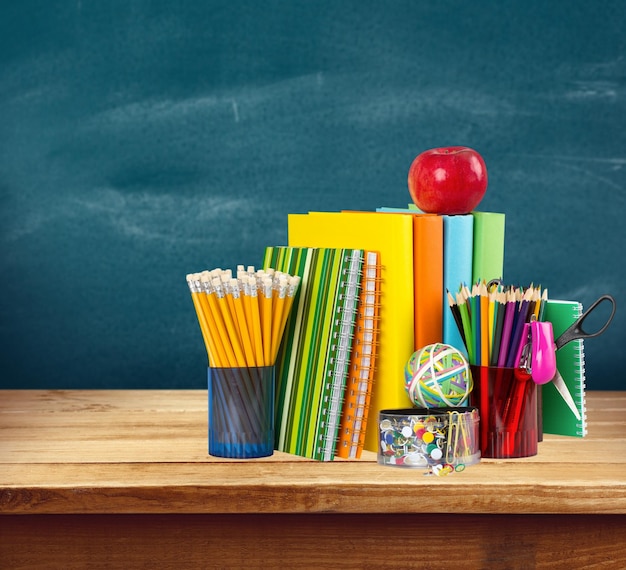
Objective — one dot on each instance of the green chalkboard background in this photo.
(144, 139)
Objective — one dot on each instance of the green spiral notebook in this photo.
(570, 360)
(312, 365)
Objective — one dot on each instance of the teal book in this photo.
(458, 248)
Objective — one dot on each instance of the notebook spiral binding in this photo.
(579, 359)
(358, 390)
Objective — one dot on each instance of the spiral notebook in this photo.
(336, 375)
(312, 366)
(358, 393)
(570, 360)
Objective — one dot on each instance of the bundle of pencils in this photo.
(491, 320)
(242, 318)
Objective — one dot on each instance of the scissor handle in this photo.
(576, 331)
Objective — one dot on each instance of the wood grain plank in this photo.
(146, 451)
(330, 541)
(349, 487)
(113, 426)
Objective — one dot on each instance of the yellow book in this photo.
(392, 236)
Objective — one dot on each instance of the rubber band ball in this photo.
(438, 376)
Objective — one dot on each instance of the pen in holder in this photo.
(507, 403)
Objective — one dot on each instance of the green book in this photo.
(570, 361)
(315, 349)
(488, 254)
(301, 262)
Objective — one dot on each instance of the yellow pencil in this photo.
(202, 318)
(225, 355)
(281, 284)
(292, 289)
(540, 300)
(240, 315)
(256, 320)
(225, 277)
(244, 293)
(492, 318)
(231, 330)
(215, 348)
(484, 324)
(266, 319)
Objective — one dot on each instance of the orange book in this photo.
(355, 412)
(428, 278)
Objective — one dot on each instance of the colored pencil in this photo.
(491, 320)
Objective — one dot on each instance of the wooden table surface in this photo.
(93, 478)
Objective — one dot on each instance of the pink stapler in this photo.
(543, 358)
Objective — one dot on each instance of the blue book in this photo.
(458, 247)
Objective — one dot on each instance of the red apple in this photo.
(448, 180)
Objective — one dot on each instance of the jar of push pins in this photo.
(439, 440)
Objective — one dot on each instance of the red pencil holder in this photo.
(508, 412)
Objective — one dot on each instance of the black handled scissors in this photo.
(575, 332)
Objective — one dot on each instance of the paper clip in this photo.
(453, 436)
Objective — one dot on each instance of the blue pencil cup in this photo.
(241, 412)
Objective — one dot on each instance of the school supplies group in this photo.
(339, 340)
